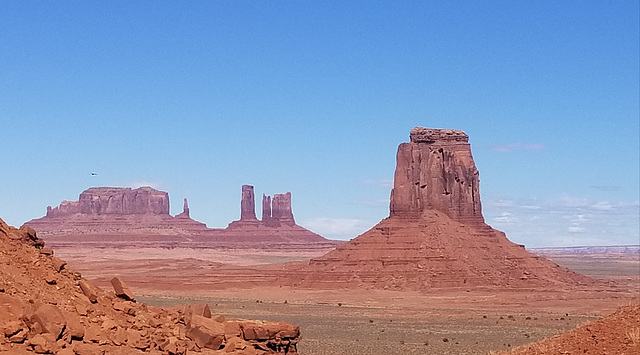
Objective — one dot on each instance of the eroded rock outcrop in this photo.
(115, 200)
(435, 235)
(277, 223)
(50, 309)
(436, 171)
(101, 216)
(248, 204)
(116, 211)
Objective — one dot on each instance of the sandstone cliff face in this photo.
(281, 209)
(248, 204)
(436, 171)
(116, 211)
(115, 200)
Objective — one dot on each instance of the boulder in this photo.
(47, 318)
(88, 291)
(121, 289)
(206, 332)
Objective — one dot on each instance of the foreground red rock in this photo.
(435, 235)
(615, 334)
(50, 309)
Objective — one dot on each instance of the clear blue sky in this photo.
(197, 98)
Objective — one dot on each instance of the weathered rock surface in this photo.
(281, 209)
(116, 211)
(277, 224)
(115, 200)
(436, 171)
(435, 235)
(248, 204)
(39, 317)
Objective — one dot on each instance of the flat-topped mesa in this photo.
(116, 201)
(436, 171)
(248, 204)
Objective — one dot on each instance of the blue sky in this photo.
(197, 98)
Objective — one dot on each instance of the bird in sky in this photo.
(94, 174)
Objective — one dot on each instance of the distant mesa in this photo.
(115, 201)
(435, 235)
(118, 211)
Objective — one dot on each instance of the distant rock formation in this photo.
(115, 211)
(281, 209)
(185, 210)
(248, 204)
(115, 200)
(435, 235)
(277, 212)
(266, 210)
(277, 222)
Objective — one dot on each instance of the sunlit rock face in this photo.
(436, 171)
(115, 200)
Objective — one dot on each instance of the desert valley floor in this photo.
(363, 321)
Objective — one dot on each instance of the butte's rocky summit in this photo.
(435, 235)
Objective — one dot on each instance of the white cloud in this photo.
(602, 206)
(575, 228)
(502, 203)
(339, 228)
(566, 221)
(511, 147)
(505, 218)
(573, 202)
(373, 203)
(381, 182)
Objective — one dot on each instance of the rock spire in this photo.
(185, 208)
(248, 204)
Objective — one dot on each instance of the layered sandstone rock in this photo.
(115, 200)
(116, 211)
(50, 309)
(435, 235)
(141, 217)
(277, 224)
(436, 171)
(281, 209)
(248, 204)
